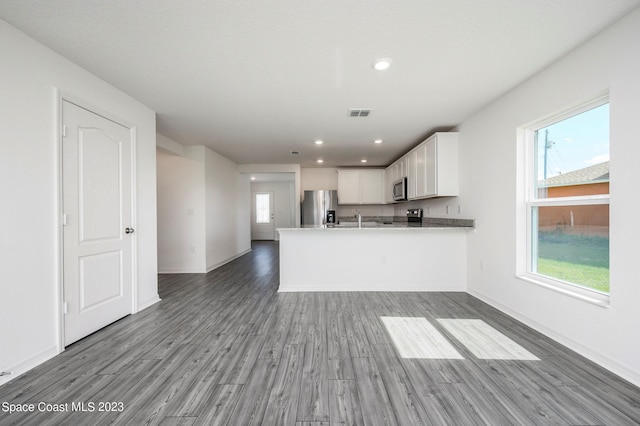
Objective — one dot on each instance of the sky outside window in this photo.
(575, 143)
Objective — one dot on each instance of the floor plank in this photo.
(283, 400)
(314, 390)
(374, 400)
(344, 403)
(220, 405)
(226, 348)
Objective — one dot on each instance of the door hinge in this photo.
(64, 308)
(64, 131)
(64, 219)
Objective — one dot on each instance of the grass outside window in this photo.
(576, 259)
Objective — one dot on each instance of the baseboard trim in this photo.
(592, 355)
(224, 262)
(21, 368)
(149, 303)
(180, 271)
(208, 269)
(333, 287)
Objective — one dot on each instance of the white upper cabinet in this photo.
(421, 171)
(412, 162)
(431, 170)
(398, 169)
(433, 167)
(371, 182)
(361, 186)
(442, 165)
(348, 187)
(392, 173)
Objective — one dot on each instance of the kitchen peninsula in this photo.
(375, 257)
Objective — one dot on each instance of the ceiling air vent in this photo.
(359, 112)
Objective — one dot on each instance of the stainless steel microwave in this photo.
(400, 189)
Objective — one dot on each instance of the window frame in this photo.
(527, 238)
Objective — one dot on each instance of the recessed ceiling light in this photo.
(319, 142)
(381, 64)
(378, 141)
(363, 161)
(320, 160)
(253, 178)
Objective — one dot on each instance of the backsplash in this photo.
(434, 221)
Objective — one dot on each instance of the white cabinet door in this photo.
(431, 168)
(421, 171)
(348, 187)
(446, 164)
(402, 167)
(371, 187)
(412, 160)
(360, 186)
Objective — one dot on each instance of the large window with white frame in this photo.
(567, 201)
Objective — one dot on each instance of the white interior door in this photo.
(98, 234)
(263, 218)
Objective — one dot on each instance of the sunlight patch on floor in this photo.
(418, 338)
(484, 341)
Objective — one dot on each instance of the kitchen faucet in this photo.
(359, 216)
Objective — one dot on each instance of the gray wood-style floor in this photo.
(226, 348)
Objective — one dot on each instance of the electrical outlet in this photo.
(482, 265)
(383, 260)
(459, 209)
(446, 209)
(193, 249)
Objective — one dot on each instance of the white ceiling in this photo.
(254, 80)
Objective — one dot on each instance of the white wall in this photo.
(489, 188)
(29, 187)
(445, 207)
(167, 145)
(227, 210)
(203, 209)
(181, 211)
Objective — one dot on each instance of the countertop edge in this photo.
(323, 228)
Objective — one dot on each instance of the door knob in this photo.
(129, 230)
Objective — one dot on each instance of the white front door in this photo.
(97, 221)
(263, 227)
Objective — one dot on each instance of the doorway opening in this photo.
(272, 204)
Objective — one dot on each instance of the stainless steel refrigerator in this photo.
(316, 204)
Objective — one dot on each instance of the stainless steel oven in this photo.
(414, 217)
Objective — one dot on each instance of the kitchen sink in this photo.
(364, 225)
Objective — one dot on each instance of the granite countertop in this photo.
(375, 224)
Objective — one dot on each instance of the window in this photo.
(263, 211)
(567, 201)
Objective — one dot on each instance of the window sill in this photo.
(588, 296)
